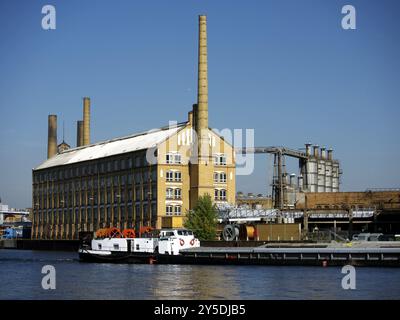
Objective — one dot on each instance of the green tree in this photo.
(202, 220)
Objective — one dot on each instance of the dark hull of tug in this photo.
(118, 257)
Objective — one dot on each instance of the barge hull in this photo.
(382, 257)
(132, 258)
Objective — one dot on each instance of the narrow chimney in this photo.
(79, 133)
(52, 136)
(86, 121)
(202, 87)
(316, 147)
(330, 154)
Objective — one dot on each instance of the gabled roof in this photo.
(139, 141)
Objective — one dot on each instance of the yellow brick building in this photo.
(147, 179)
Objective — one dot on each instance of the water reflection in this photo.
(195, 282)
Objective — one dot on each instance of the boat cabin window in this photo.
(185, 233)
(116, 246)
(99, 246)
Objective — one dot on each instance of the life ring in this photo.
(181, 242)
(192, 242)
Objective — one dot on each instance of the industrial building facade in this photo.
(147, 179)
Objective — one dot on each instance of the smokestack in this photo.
(323, 153)
(52, 136)
(86, 121)
(316, 147)
(202, 87)
(308, 147)
(79, 133)
(330, 154)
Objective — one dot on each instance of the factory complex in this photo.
(153, 179)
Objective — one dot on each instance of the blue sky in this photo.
(285, 68)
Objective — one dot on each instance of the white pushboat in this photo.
(137, 250)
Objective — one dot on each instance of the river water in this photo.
(21, 278)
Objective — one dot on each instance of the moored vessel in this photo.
(112, 245)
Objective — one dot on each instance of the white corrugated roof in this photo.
(108, 148)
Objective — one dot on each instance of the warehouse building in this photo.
(147, 179)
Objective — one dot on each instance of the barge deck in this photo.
(326, 256)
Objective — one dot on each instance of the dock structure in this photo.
(311, 256)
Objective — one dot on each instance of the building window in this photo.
(173, 158)
(169, 210)
(220, 160)
(129, 195)
(170, 176)
(170, 193)
(178, 210)
(137, 212)
(146, 193)
(174, 176)
(178, 176)
(145, 212)
(137, 161)
(220, 177)
(108, 214)
(138, 194)
(177, 193)
(154, 174)
(137, 178)
(220, 194)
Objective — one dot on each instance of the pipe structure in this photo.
(330, 154)
(52, 136)
(323, 153)
(79, 133)
(86, 121)
(316, 147)
(293, 180)
(308, 148)
(202, 89)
